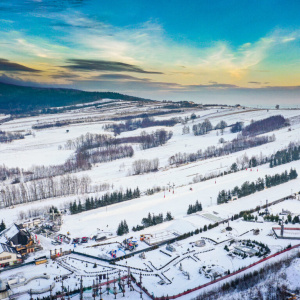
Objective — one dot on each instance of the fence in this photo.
(217, 280)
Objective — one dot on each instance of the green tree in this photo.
(2, 226)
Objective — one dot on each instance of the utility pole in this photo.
(107, 285)
(62, 289)
(141, 293)
(100, 288)
(115, 289)
(128, 277)
(123, 286)
(81, 289)
(94, 290)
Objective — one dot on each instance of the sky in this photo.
(205, 51)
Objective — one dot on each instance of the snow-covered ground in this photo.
(42, 148)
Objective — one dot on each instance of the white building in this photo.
(8, 256)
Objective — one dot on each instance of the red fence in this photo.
(220, 279)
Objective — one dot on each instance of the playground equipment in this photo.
(113, 253)
(144, 236)
(142, 255)
(129, 244)
(121, 249)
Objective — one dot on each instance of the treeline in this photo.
(8, 137)
(206, 126)
(146, 115)
(202, 128)
(106, 199)
(248, 188)
(146, 140)
(48, 188)
(152, 220)
(194, 208)
(145, 166)
(235, 145)
(265, 125)
(154, 139)
(285, 156)
(6, 173)
(109, 154)
(133, 124)
(55, 124)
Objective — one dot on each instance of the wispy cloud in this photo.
(254, 82)
(6, 65)
(119, 77)
(102, 65)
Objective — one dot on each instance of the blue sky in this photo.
(158, 49)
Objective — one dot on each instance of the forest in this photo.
(133, 124)
(105, 200)
(266, 125)
(29, 99)
(248, 188)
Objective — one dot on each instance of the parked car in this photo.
(84, 239)
(76, 241)
(56, 242)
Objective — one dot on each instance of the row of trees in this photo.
(291, 153)
(104, 141)
(108, 154)
(265, 125)
(241, 163)
(194, 208)
(248, 188)
(154, 139)
(133, 124)
(145, 166)
(48, 188)
(105, 200)
(235, 145)
(202, 128)
(152, 220)
(8, 137)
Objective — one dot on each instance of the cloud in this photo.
(6, 65)
(214, 86)
(104, 65)
(65, 75)
(254, 82)
(119, 77)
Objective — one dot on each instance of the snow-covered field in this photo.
(43, 148)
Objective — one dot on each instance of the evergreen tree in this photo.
(169, 216)
(2, 226)
(125, 227)
(79, 208)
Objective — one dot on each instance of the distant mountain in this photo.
(17, 99)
